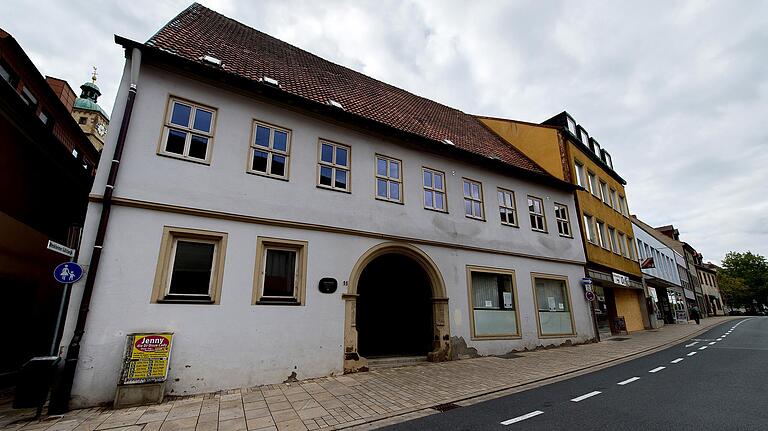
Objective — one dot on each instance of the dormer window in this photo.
(596, 148)
(571, 124)
(583, 136)
(607, 159)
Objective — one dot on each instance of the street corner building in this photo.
(285, 217)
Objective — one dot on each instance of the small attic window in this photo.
(270, 81)
(335, 104)
(448, 142)
(211, 60)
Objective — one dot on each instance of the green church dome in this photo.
(88, 98)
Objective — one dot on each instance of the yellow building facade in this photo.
(566, 151)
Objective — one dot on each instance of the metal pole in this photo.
(55, 341)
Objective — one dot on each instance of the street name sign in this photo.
(58, 248)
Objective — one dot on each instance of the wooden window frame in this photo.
(334, 167)
(507, 209)
(300, 283)
(388, 179)
(534, 276)
(189, 131)
(434, 190)
(472, 199)
(470, 301)
(171, 235)
(565, 221)
(543, 214)
(271, 151)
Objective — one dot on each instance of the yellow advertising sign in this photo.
(146, 358)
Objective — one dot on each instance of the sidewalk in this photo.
(376, 398)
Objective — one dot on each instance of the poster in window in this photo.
(146, 358)
(507, 299)
(551, 303)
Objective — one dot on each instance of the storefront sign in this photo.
(619, 279)
(146, 358)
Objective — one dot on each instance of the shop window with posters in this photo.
(553, 305)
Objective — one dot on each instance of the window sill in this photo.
(190, 301)
(539, 231)
(184, 158)
(266, 175)
(333, 189)
(392, 201)
(496, 337)
(566, 236)
(474, 218)
(276, 301)
(436, 210)
(510, 225)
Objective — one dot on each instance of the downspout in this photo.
(59, 402)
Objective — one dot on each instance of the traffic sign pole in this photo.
(63, 304)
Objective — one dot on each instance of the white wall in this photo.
(669, 271)
(236, 344)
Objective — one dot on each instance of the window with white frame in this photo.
(614, 199)
(507, 209)
(188, 131)
(270, 150)
(571, 125)
(631, 248)
(494, 312)
(589, 226)
(640, 245)
(190, 266)
(389, 179)
(623, 245)
(593, 187)
(334, 166)
(563, 221)
(602, 236)
(581, 175)
(434, 190)
(604, 192)
(623, 206)
(584, 137)
(281, 267)
(536, 214)
(473, 199)
(614, 240)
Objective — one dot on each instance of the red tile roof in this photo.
(249, 53)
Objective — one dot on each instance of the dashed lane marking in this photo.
(712, 343)
(692, 353)
(656, 370)
(703, 347)
(720, 339)
(628, 381)
(522, 418)
(676, 361)
(692, 344)
(585, 396)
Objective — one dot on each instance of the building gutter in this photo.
(60, 397)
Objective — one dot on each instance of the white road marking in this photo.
(585, 396)
(676, 360)
(628, 381)
(522, 418)
(720, 339)
(656, 370)
(703, 347)
(712, 343)
(692, 344)
(692, 353)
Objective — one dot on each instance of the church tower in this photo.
(89, 115)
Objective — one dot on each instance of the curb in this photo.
(533, 383)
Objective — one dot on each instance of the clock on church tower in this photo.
(89, 115)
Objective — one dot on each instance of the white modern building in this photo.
(286, 217)
(659, 264)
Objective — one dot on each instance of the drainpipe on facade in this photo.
(59, 402)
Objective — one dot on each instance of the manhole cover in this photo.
(618, 339)
(445, 407)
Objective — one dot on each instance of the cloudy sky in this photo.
(677, 91)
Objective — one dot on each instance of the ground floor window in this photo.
(493, 301)
(190, 266)
(553, 305)
(281, 268)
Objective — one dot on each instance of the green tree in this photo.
(734, 290)
(751, 271)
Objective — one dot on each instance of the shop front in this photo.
(620, 306)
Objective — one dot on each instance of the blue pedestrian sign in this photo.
(68, 272)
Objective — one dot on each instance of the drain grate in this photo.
(445, 407)
(618, 339)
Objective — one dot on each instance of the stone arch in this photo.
(441, 329)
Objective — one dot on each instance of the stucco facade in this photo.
(236, 343)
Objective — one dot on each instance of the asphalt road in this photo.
(716, 381)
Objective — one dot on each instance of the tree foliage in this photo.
(744, 277)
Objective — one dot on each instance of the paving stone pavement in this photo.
(364, 400)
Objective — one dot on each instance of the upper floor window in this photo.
(536, 214)
(589, 227)
(584, 137)
(28, 97)
(631, 248)
(473, 199)
(270, 150)
(604, 192)
(563, 222)
(571, 125)
(82, 120)
(581, 175)
(389, 179)
(614, 199)
(334, 166)
(607, 158)
(8, 74)
(188, 131)
(507, 208)
(602, 237)
(623, 245)
(623, 206)
(44, 116)
(434, 190)
(593, 183)
(614, 240)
